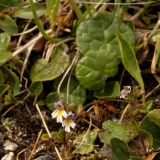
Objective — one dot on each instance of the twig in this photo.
(69, 68)
(17, 102)
(21, 49)
(48, 132)
(28, 52)
(25, 32)
(39, 135)
(152, 91)
(8, 110)
(22, 35)
(63, 41)
(17, 158)
(70, 78)
(125, 110)
(44, 123)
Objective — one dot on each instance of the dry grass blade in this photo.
(47, 130)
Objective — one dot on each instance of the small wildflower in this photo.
(67, 123)
(125, 92)
(59, 112)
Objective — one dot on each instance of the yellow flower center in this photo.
(60, 111)
(68, 121)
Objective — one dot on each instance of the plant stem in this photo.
(88, 9)
(124, 9)
(117, 7)
(76, 9)
(52, 8)
(64, 139)
(145, 7)
(46, 36)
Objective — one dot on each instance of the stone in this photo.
(9, 156)
(8, 145)
(47, 157)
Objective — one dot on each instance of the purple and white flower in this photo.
(67, 123)
(59, 112)
(125, 92)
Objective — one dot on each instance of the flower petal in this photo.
(64, 114)
(72, 124)
(59, 119)
(70, 114)
(124, 93)
(63, 123)
(58, 104)
(128, 88)
(54, 114)
(67, 128)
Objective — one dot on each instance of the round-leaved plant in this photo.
(93, 69)
(98, 32)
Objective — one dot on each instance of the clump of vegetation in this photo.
(73, 59)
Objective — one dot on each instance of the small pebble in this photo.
(11, 146)
(9, 156)
(44, 158)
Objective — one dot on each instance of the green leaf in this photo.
(3, 89)
(60, 50)
(4, 57)
(44, 71)
(4, 41)
(9, 99)
(51, 99)
(129, 59)
(58, 136)
(41, 102)
(76, 92)
(116, 130)
(8, 25)
(151, 124)
(110, 91)
(13, 80)
(147, 106)
(93, 69)
(98, 32)
(45, 137)
(87, 141)
(147, 136)
(9, 3)
(26, 12)
(120, 149)
(36, 88)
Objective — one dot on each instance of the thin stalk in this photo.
(48, 132)
(46, 36)
(88, 9)
(52, 8)
(145, 7)
(55, 9)
(143, 99)
(124, 8)
(117, 7)
(76, 9)
(64, 139)
(124, 112)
